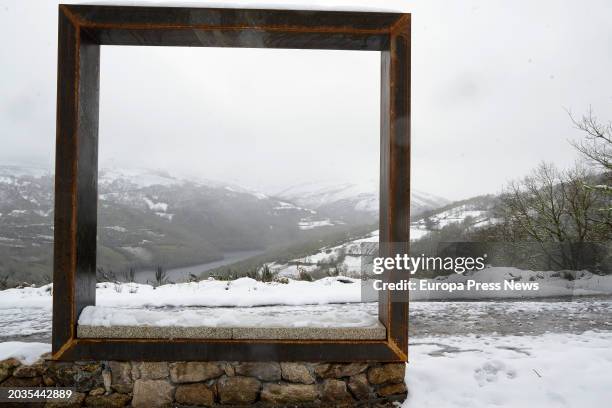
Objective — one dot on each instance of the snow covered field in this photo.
(27, 353)
(247, 292)
(555, 370)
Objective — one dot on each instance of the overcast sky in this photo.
(491, 82)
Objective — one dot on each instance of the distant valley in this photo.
(149, 218)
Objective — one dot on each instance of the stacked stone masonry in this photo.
(213, 384)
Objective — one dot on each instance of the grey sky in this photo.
(266, 119)
(491, 80)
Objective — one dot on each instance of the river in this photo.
(182, 274)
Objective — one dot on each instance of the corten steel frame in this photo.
(82, 29)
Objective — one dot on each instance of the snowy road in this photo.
(426, 318)
(510, 317)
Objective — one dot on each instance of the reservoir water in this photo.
(182, 274)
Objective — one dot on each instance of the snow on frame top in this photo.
(333, 5)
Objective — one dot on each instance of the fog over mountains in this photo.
(149, 218)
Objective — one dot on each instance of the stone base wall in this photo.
(214, 384)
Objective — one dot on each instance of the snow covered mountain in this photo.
(345, 258)
(151, 217)
(148, 218)
(346, 199)
(473, 212)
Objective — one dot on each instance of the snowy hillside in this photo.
(346, 197)
(472, 213)
(148, 218)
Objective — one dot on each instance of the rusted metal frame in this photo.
(395, 176)
(228, 350)
(76, 179)
(75, 215)
(289, 29)
(100, 17)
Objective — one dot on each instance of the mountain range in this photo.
(148, 218)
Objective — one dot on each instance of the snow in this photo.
(139, 177)
(45, 237)
(552, 370)
(8, 173)
(340, 5)
(550, 283)
(31, 322)
(161, 207)
(282, 205)
(369, 204)
(273, 316)
(241, 190)
(28, 297)
(316, 194)
(139, 252)
(474, 365)
(417, 233)
(240, 292)
(165, 215)
(457, 215)
(361, 196)
(306, 224)
(43, 213)
(247, 292)
(350, 267)
(116, 228)
(27, 353)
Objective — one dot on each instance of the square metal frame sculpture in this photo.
(82, 30)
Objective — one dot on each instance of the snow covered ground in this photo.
(551, 351)
(545, 353)
(247, 292)
(27, 353)
(549, 371)
(242, 292)
(549, 284)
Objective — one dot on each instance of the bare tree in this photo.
(161, 277)
(596, 147)
(130, 274)
(103, 275)
(597, 143)
(556, 210)
(4, 278)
